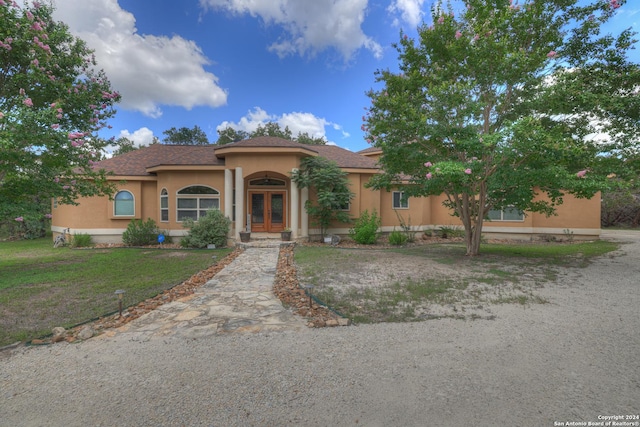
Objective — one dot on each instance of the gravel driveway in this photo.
(576, 359)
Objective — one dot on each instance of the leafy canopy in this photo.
(499, 106)
(185, 136)
(331, 188)
(53, 100)
(229, 134)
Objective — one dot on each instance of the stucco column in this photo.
(228, 193)
(305, 216)
(295, 206)
(240, 220)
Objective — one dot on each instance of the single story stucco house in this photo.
(250, 181)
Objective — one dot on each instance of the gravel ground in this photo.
(576, 359)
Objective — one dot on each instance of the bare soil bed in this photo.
(423, 281)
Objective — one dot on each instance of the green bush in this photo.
(365, 228)
(140, 233)
(81, 240)
(212, 229)
(398, 238)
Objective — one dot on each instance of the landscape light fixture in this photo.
(120, 294)
(308, 289)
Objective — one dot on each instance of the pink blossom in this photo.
(52, 105)
(467, 171)
(65, 187)
(36, 4)
(55, 126)
(21, 91)
(405, 37)
(36, 26)
(458, 34)
(429, 176)
(441, 20)
(48, 216)
(56, 179)
(614, 4)
(551, 54)
(28, 102)
(59, 116)
(19, 219)
(29, 15)
(1, 114)
(582, 173)
(428, 165)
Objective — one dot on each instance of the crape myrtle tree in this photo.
(497, 107)
(52, 102)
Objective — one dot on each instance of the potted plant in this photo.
(285, 235)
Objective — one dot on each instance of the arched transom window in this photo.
(194, 201)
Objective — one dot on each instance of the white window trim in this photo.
(502, 216)
(393, 198)
(198, 197)
(115, 202)
(164, 196)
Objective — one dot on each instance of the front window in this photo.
(400, 201)
(164, 205)
(506, 214)
(123, 204)
(194, 202)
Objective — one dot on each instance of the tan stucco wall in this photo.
(95, 215)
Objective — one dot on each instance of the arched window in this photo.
(164, 205)
(194, 201)
(123, 204)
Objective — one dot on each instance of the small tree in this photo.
(331, 190)
(496, 107)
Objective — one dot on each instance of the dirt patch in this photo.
(421, 282)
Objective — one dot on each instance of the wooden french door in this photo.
(268, 211)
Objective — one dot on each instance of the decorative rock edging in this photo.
(287, 289)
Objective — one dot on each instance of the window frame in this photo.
(400, 197)
(132, 201)
(502, 215)
(199, 210)
(164, 196)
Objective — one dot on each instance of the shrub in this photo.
(213, 228)
(140, 233)
(398, 238)
(81, 240)
(365, 228)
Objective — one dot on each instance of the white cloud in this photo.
(410, 11)
(297, 122)
(149, 71)
(311, 26)
(140, 137)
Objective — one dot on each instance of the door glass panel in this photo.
(257, 208)
(277, 208)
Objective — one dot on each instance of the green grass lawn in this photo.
(42, 287)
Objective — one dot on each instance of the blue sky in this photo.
(305, 64)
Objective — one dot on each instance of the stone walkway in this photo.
(237, 299)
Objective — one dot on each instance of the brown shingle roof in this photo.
(137, 162)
